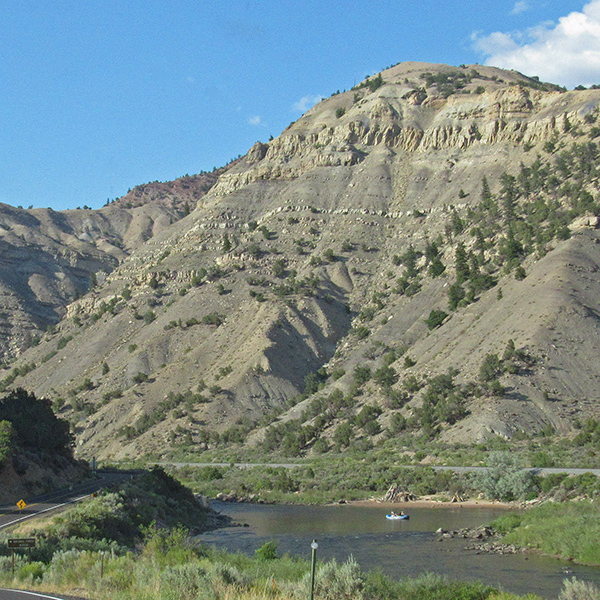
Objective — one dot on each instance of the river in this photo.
(398, 548)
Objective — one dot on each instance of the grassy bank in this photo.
(569, 530)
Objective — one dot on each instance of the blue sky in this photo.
(97, 97)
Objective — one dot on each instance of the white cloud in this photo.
(520, 7)
(567, 52)
(255, 120)
(305, 103)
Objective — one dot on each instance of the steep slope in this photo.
(415, 224)
(49, 258)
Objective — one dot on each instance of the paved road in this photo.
(9, 515)
(225, 464)
(535, 470)
(20, 595)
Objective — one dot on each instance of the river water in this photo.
(398, 548)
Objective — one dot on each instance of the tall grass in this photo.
(569, 529)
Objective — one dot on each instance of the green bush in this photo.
(436, 268)
(435, 318)
(338, 373)
(279, 267)
(268, 551)
(505, 479)
(385, 376)
(456, 294)
(567, 529)
(329, 255)
(437, 587)
(32, 572)
(397, 423)
(213, 319)
(63, 341)
(49, 356)
(112, 395)
(343, 434)
(209, 474)
(337, 582)
(188, 581)
(366, 415)
(361, 374)
(490, 368)
(507, 523)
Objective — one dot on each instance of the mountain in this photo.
(50, 258)
(417, 254)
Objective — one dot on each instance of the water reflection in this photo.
(398, 548)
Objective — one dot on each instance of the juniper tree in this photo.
(462, 264)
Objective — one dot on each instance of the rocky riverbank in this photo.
(483, 540)
(234, 497)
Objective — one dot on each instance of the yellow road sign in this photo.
(21, 504)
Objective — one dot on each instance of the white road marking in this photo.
(39, 512)
(31, 594)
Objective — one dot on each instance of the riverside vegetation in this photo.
(357, 474)
(362, 477)
(569, 530)
(112, 547)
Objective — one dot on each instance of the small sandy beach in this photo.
(426, 502)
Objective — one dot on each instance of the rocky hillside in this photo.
(419, 253)
(48, 258)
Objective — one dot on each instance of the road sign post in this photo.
(20, 544)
